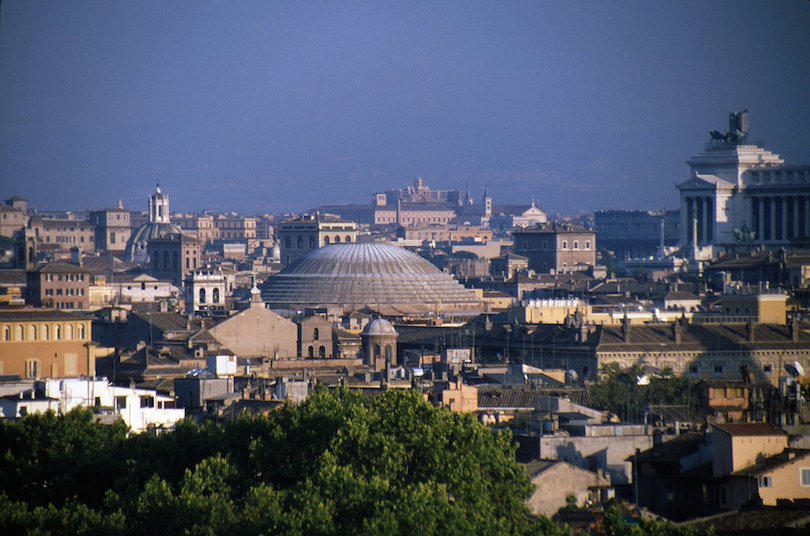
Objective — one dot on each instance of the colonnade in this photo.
(780, 217)
(699, 228)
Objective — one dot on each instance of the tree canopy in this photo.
(338, 463)
(619, 391)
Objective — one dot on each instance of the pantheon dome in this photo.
(354, 276)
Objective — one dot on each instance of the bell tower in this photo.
(159, 207)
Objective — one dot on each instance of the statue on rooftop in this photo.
(735, 134)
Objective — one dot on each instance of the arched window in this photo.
(300, 242)
(165, 259)
(321, 352)
(7, 333)
(348, 239)
(19, 333)
(311, 351)
(325, 240)
(312, 242)
(175, 260)
(202, 295)
(156, 261)
(215, 295)
(32, 332)
(81, 331)
(69, 332)
(337, 240)
(57, 332)
(376, 350)
(315, 334)
(46, 332)
(388, 352)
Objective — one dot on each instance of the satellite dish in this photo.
(795, 369)
(572, 375)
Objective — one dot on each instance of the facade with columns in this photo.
(742, 195)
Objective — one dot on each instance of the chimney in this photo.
(794, 330)
(626, 329)
(749, 328)
(677, 332)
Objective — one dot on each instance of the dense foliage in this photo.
(337, 463)
(619, 392)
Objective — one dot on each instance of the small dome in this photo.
(379, 327)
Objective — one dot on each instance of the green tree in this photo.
(338, 463)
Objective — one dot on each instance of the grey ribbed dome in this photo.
(357, 275)
(378, 327)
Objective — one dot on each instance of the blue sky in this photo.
(270, 106)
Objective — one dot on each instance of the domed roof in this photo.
(379, 327)
(136, 246)
(358, 275)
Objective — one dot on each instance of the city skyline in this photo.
(265, 107)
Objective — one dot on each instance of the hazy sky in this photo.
(271, 106)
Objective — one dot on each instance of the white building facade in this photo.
(742, 195)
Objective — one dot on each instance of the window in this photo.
(32, 332)
(565, 244)
(337, 240)
(215, 295)
(202, 295)
(325, 240)
(7, 333)
(718, 369)
(767, 368)
(805, 476)
(764, 482)
(300, 242)
(311, 352)
(321, 352)
(147, 401)
(69, 332)
(587, 244)
(693, 369)
(57, 332)
(315, 334)
(576, 245)
(32, 368)
(348, 239)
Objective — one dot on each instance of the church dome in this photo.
(358, 275)
(379, 327)
(158, 226)
(136, 246)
